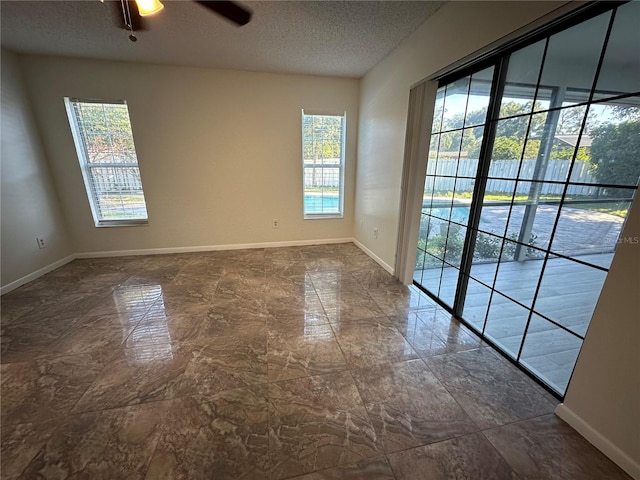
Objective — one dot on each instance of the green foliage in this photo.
(570, 120)
(509, 248)
(531, 149)
(107, 132)
(517, 127)
(506, 148)
(447, 245)
(322, 135)
(615, 155)
(487, 246)
(566, 153)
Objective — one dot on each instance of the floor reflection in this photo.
(151, 340)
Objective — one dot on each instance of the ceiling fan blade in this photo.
(138, 24)
(230, 10)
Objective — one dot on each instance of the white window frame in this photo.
(86, 166)
(340, 166)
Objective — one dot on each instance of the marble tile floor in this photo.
(302, 362)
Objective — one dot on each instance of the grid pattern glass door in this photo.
(553, 186)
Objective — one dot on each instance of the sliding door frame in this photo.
(416, 155)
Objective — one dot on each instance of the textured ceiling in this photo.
(310, 37)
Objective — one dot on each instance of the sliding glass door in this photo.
(533, 163)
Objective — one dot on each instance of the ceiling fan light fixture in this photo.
(149, 7)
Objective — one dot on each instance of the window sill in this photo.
(321, 216)
(122, 223)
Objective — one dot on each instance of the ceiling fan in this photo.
(131, 13)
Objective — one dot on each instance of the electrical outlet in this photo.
(375, 232)
(41, 243)
(275, 223)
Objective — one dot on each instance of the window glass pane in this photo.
(478, 102)
(118, 193)
(590, 226)
(521, 81)
(449, 149)
(493, 219)
(496, 206)
(550, 352)
(106, 131)
(431, 274)
(620, 71)
(503, 168)
(443, 203)
(470, 144)
(476, 304)
(443, 196)
(454, 244)
(544, 98)
(485, 258)
(468, 167)
(107, 155)
(512, 141)
(448, 284)
(573, 96)
(514, 250)
(532, 221)
(462, 200)
(322, 156)
(611, 144)
(572, 58)
(565, 142)
(455, 104)
(569, 292)
(508, 147)
(518, 279)
(506, 322)
(437, 237)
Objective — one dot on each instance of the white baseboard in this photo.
(211, 248)
(38, 273)
(378, 260)
(620, 458)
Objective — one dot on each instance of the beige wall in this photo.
(219, 150)
(455, 31)
(30, 207)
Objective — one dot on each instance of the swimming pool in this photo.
(459, 214)
(321, 203)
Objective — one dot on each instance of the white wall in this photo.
(30, 207)
(603, 399)
(455, 31)
(219, 150)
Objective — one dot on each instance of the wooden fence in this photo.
(557, 170)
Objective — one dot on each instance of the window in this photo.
(323, 164)
(104, 143)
